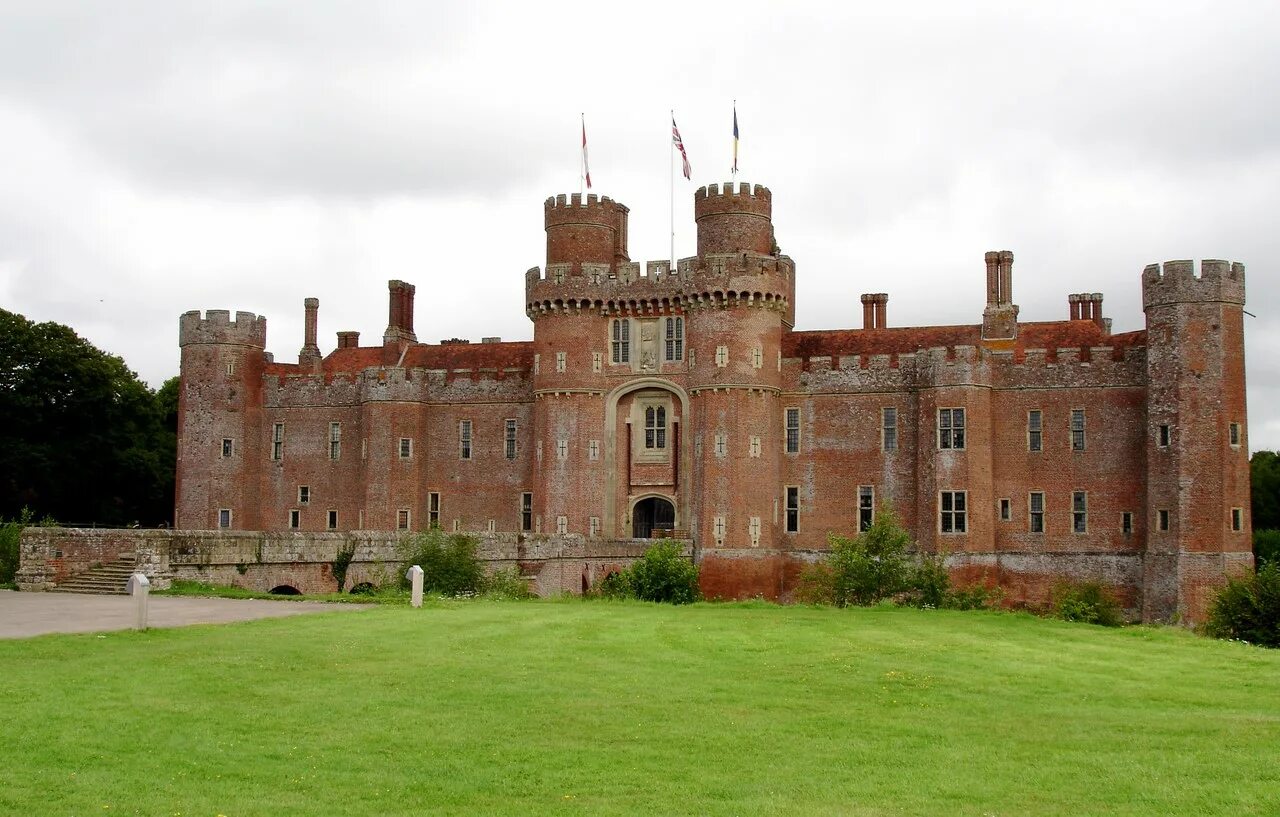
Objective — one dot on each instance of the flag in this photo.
(684, 157)
(735, 138)
(586, 170)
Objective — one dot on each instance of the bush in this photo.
(615, 586)
(341, 563)
(1088, 602)
(1248, 608)
(864, 569)
(930, 582)
(506, 584)
(448, 561)
(664, 574)
(10, 554)
(1266, 547)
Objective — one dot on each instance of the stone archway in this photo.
(615, 452)
(650, 513)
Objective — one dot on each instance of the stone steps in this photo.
(111, 578)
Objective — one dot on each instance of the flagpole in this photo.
(582, 161)
(671, 177)
(734, 173)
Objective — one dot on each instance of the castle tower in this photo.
(220, 439)
(739, 293)
(1197, 520)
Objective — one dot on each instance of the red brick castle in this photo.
(684, 401)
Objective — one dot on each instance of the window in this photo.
(1079, 512)
(224, 517)
(951, 428)
(1077, 429)
(226, 448)
(722, 356)
(593, 450)
(464, 439)
(1035, 430)
(526, 511)
(1233, 434)
(562, 524)
(722, 445)
(295, 519)
(1006, 510)
(562, 449)
(402, 519)
(754, 446)
(889, 428)
(1035, 516)
(621, 345)
(509, 440)
(793, 509)
(433, 510)
(757, 358)
(1163, 435)
(1237, 519)
(655, 427)
(304, 494)
(866, 506)
(597, 361)
(675, 338)
(277, 441)
(1126, 523)
(406, 448)
(335, 440)
(594, 526)
(332, 520)
(793, 430)
(951, 512)
(1162, 519)
(560, 361)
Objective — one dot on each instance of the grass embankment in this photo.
(625, 708)
(181, 587)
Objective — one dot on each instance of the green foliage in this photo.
(1248, 608)
(616, 585)
(506, 584)
(342, 562)
(1266, 547)
(448, 561)
(81, 438)
(930, 582)
(864, 569)
(664, 574)
(1087, 602)
(1264, 471)
(10, 539)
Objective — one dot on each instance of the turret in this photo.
(219, 411)
(739, 219)
(579, 232)
(1198, 530)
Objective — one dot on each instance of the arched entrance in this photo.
(649, 513)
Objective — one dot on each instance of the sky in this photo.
(160, 157)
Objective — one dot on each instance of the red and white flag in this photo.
(586, 170)
(684, 157)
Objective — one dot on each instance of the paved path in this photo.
(28, 614)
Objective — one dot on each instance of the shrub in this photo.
(863, 569)
(342, 562)
(448, 561)
(10, 553)
(664, 574)
(1248, 608)
(1266, 547)
(930, 582)
(1088, 602)
(616, 585)
(506, 584)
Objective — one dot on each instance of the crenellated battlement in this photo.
(1176, 282)
(565, 209)
(216, 326)
(733, 197)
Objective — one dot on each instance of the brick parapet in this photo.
(216, 326)
(1175, 282)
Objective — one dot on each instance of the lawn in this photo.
(624, 708)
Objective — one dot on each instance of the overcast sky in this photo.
(160, 157)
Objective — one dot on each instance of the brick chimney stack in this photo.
(1000, 318)
(310, 352)
(875, 307)
(399, 313)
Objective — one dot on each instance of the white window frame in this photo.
(404, 448)
(1078, 440)
(465, 439)
(866, 507)
(1035, 429)
(433, 509)
(673, 348)
(888, 428)
(294, 519)
(511, 428)
(1035, 517)
(277, 441)
(1080, 512)
(620, 341)
(335, 441)
(225, 518)
(304, 494)
(791, 508)
(953, 521)
(791, 430)
(404, 519)
(951, 428)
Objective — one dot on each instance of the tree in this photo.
(866, 568)
(1264, 470)
(81, 438)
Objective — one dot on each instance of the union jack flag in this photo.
(684, 157)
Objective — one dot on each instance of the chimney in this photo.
(993, 277)
(1005, 277)
(310, 352)
(1095, 302)
(348, 340)
(874, 310)
(399, 313)
(1000, 318)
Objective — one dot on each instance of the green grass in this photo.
(623, 708)
(181, 587)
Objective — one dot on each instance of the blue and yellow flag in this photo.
(735, 137)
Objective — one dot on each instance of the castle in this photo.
(684, 402)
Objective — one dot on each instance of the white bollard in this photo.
(415, 579)
(140, 589)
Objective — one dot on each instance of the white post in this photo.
(414, 575)
(140, 589)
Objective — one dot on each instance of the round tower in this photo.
(593, 231)
(220, 437)
(739, 293)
